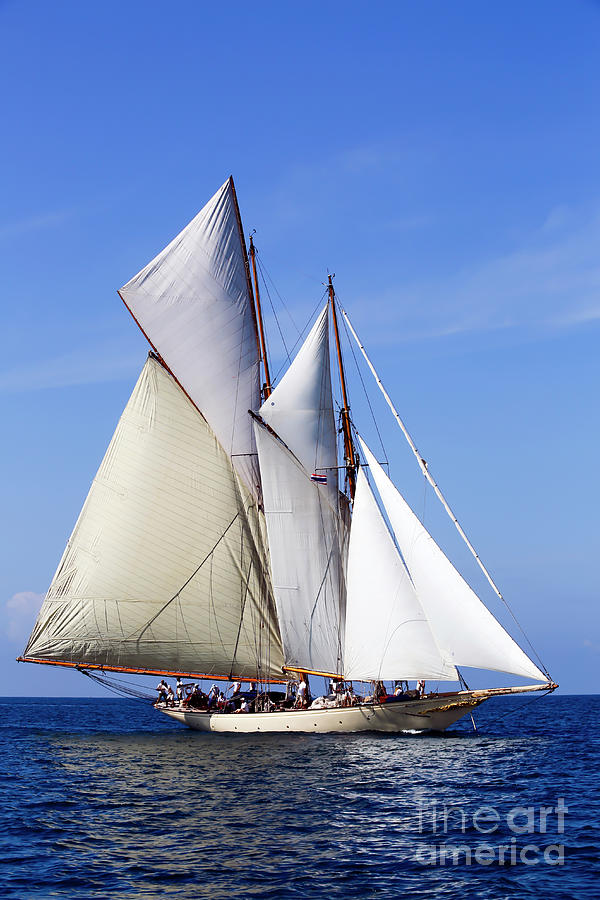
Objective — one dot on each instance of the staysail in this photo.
(387, 633)
(466, 633)
(304, 525)
(193, 304)
(166, 568)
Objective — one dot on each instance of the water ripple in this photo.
(106, 798)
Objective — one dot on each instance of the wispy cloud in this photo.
(19, 614)
(108, 361)
(302, 188)
(34, 223)
(549, 282)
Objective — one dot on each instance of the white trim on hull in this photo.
(433, 713)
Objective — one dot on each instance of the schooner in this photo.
(223, 538)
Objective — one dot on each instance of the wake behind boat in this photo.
(226, 535)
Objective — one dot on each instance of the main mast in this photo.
(349, 454)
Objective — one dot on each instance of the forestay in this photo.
(387, 633)
(166, 568)
(193, 305)
(465, 631)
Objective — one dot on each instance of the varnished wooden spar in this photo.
(267, 389)
(295, 670)
(171, 673)
(349, 454)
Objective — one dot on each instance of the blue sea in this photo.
(107, 798)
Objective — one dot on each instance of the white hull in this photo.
(366, 717)
(433, 713)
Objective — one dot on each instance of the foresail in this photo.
(192, 303)
(300, 409)
(166, 567)
(387, 633)
(303, 528)
(466, 633)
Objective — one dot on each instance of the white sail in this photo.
(465, 631)
(192, 303)
(387, 633)
(300, 409)
(304, 545)
(166, 567)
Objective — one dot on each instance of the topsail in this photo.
(193, 304)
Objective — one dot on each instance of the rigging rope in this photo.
(264, 271)
(364, 387)
(266, 287)
(301, 335)
(511, 712)
(122, 688)
(185, 584)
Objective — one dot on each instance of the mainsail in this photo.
(387, 633)
(466, 633)
(166, 568)
(193, 304)
(304, 525)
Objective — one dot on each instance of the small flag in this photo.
(320, 479)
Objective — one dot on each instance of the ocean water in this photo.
(106, 798)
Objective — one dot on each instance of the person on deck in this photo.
(380, 692)
(237, 686)
(302, 695)
(213, 696)
(179, 689)
(161, 687)
(400, 688)
(170, 696)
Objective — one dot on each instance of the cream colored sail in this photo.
(387, 633)
(166, 568)
(192, 303)
(466, 633)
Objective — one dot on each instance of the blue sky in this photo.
(441, 158)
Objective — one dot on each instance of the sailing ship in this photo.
(223, 536)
